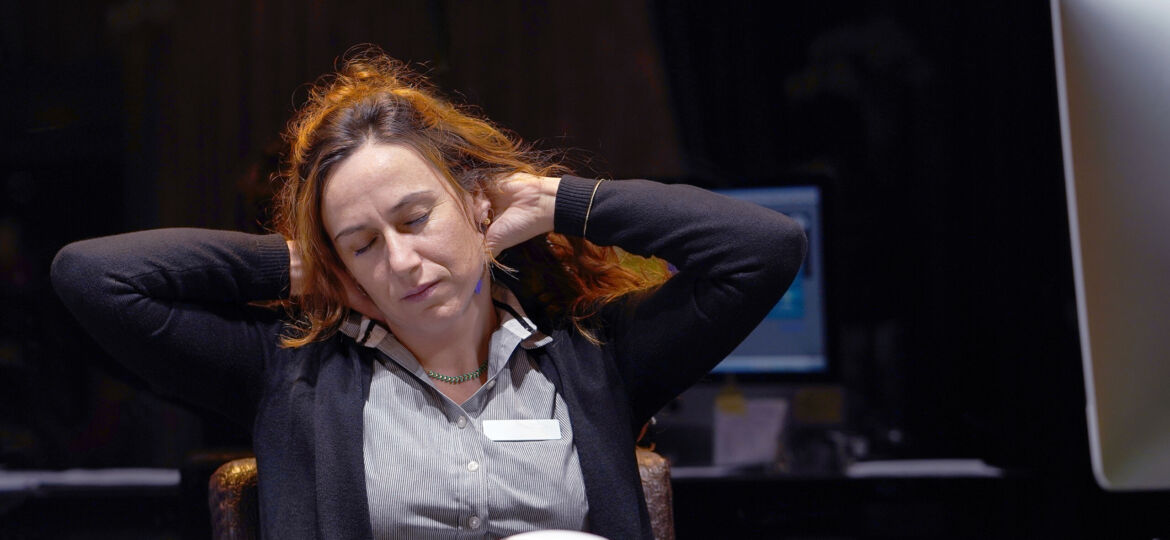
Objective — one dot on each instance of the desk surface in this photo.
(31, 480)
(907, 468)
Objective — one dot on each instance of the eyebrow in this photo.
(409, 199)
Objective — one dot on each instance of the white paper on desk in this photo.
(750, 437)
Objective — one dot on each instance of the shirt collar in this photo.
(513, 319)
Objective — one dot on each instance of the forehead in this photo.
(378, 167)
(375, 178)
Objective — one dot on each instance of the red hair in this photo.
(374, 98)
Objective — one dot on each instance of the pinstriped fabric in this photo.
(430, 471)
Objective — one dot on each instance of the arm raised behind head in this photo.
(171, 305)
(735, 260)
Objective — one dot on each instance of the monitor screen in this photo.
(1113, 82)
(792, 338)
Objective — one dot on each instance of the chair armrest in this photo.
(655, 473)
(233, 499)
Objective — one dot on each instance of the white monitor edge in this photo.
(1075, 240)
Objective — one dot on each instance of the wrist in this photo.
(296, 282)
(548, 189)
(574, 196)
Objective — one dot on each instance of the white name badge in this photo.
(522, 430)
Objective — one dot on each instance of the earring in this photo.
(487, 220)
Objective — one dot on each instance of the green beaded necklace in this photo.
(460, 379)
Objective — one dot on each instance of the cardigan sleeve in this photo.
(171, 305)
(734, 259)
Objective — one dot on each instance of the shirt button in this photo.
(474, 522)
(491, 384)
(461, 422)
(473, 466)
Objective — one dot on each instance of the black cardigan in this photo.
(170, 304)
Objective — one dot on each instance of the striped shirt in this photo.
(431, 472)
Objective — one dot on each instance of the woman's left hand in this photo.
(523, 205)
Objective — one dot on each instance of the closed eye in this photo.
(419, 220)
(412, 223)
(364, 248)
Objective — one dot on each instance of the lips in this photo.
(420, 292)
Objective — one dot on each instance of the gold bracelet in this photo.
(585, 226)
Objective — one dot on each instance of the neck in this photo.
(460, 347)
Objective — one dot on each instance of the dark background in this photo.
(934, 125)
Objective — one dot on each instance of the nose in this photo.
(402, 256)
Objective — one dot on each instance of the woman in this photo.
(460, 356)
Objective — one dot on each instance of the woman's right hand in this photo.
(359, 301)
(355, 298)
(296, 281)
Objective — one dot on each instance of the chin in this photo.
(432, 317)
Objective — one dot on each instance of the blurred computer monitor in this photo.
(792, 338)
(1113, 76)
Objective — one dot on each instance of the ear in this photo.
(481, 207)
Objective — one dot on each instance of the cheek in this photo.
(473, 250)
(461, 259)
(363, 272)
(463, 251)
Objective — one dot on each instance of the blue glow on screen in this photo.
(791, 338)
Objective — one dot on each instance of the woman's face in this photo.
(404, 236)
